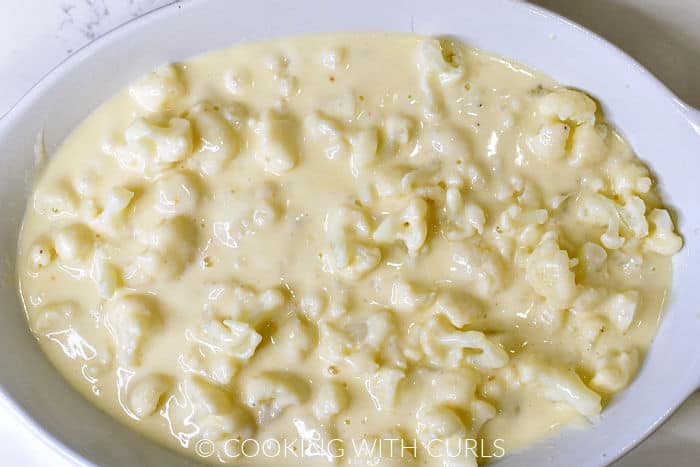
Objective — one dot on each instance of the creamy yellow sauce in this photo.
(342, 241)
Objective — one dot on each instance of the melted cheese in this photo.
(341, 239)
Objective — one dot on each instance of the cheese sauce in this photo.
(356, 249)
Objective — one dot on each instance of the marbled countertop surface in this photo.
(35, 35)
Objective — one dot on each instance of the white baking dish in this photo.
(663, 131)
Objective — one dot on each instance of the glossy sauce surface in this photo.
(347, 240)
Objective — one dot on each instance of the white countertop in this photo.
(664, 35)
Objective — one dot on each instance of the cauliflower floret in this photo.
(158, 89)
(632, 215)
(333, 344)
(588, 144)
(272, 392)
(424, 181)
(296, 340)
(362, 361)
(170, 249)
(446, 345)
(621, 308)
(438, 422)
(591, 304)
(449, 143)
(443, 434)
(243, 303)
(215, 413)
(41, 254)
(588, 328)
(455, 388)
(57, 201)
(550, 142)
(210, 364)
(383, 386)
(332, 398)
(145, 395)
(114, 208)
(348, 232)
(627, 264)
(233, 338)
(525, 192)
(662, 240)
(627, 177)
(460, 308)
(87, 184)
(279, 66)
(104, 274)
(614, 370)
(592, 260)
(466, 218)
(355, 341)
(360, 145)
(131, 319)
(53, 317)
(439, 58)
(207, 398)
(380, 325)
(247, 213)
(177, 193)
(480, 267)
(217, 143)
(597, 209)
(236, 114)
(235, 80)
(164, 144)
(548, 271)
(223, 427)
(407, 297)
(150, 147)
(329, 134)
(518, 230)
(313, 305)
(481, 413)
(568, 105)
(278, 152)
(398, 131)
(333, 57)
(560, 385)
(409, 226)
(440, 63)
(491, 354)
(73, 242)
(507, 379)
(352, 260)
(218, 419)
(317, 440)
(363, 149)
